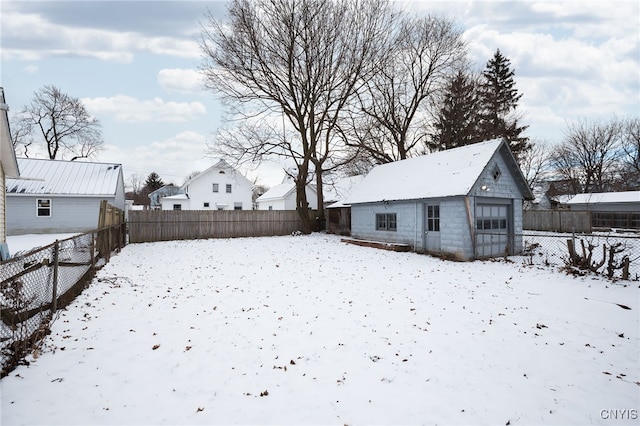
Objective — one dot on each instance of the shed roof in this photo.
(606, 197)
(442, 174)
(56, 177)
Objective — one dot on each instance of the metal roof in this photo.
(56, 177)
(606, 197)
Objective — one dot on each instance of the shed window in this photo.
(386, 222)
(433, 218)
(237, 206)
(206, 205)
(43, 208)
(177, 206)
(215, 187)
(496, 173)
(228, 188)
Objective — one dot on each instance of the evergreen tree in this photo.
(153, 182)
(499, 100)
(457, 120)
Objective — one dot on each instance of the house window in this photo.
(177, 206)
(237, 206)
(433, 218)
(215, 187)
(386, 222)
(206, 205)
(43, 208)
(270, 207)
(228, 188)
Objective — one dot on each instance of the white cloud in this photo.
(173, 158)
(180, 80)
(128, 109)
(46, 39)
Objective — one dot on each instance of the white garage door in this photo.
(492, 230)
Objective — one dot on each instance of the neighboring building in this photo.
(57, 196)
(165, 191)
(337, 212)
(220, 187)
(464, 203)
(551, 194)
(8, 169)
(609, 209)
(283, 197)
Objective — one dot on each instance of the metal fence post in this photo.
(54, 297)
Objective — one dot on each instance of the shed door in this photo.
(432, 227)
(492, 230)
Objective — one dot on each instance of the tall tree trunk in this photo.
(320, 225)
(302, 205)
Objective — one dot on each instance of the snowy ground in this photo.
(27, 242)
(308, 330)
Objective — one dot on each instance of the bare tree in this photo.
(299, 60)
(64, 124)
(534, 162)
(630, 143)
(21, 135)
(396, 103)
(589, 154)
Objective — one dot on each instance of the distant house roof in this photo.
(222, 166)
(442, 174)
(281, 191)
(7, 152)
(338, 191)
(176, 197)
(164, 191)
(606, 197)
(56, 177)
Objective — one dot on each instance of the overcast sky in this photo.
(134, 64)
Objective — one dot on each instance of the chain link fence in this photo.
(611, 254)
(35, 284)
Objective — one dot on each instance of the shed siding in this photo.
(68, 215)
(454, 229)
(409, 216)
(455, 237)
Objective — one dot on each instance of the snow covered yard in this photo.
(302, 330)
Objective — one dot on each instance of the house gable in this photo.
(219, 187)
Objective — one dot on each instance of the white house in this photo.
(283, 197)
(463, 203)
(220, 187)
(57, 196)
(8, 169)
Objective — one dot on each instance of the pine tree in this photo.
(499, 100)
(457, 119)
(153, 182)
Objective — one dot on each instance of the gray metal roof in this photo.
(56, 177)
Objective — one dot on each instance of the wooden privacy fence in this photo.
(166, 225)
(557, 221)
